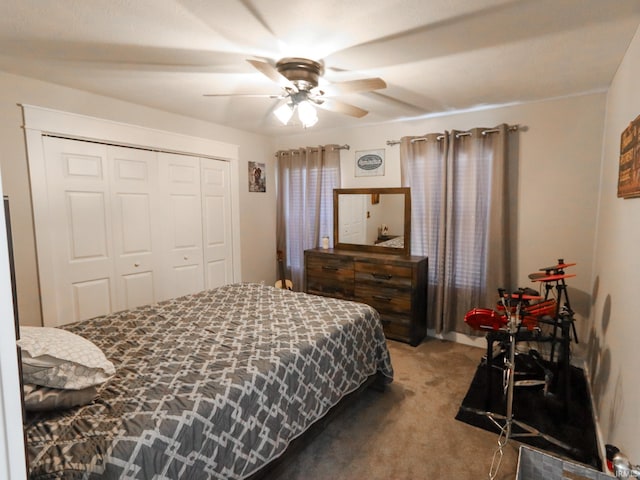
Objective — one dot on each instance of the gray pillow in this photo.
(40, 399)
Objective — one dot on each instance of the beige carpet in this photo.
(409, 431)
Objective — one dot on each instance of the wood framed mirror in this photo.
(372, 220)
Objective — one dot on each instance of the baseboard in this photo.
(473, 341)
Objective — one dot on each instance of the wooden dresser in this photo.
(396, 286)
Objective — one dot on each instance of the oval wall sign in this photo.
(369, 161)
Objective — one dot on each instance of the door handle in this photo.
(379, 297)
(381, 276)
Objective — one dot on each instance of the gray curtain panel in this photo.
(306, 180)
(460, 219)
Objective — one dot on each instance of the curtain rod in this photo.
(296, 152)
(510, 128)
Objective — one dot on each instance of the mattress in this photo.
(396, 242)
(212, 385)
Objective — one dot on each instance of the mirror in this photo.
(372, 219)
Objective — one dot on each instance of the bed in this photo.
(211, 385)
(395, 242)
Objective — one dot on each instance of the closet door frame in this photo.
(40, 122)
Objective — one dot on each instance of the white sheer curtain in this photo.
(460, 219)
(306, 179)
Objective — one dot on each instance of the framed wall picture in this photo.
(257, 177)
(370, 163)
(629, 168)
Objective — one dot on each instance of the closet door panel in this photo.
(135, 226)
(216, 221)
(186, 279)
(134, 211)
(139, 289)
(79, 210)
(185, 214)
(87, 224)
(182, 257)
(91, 298)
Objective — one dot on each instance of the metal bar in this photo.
(287, 152)
(296, 152)
(510, 128)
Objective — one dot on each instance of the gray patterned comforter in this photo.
(211, 385)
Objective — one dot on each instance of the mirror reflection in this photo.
(373, 219)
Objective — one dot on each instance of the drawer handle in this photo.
(333, 269)
(384, 299)
(382, 276)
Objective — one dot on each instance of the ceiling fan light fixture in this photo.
(284, 112)
(299, 79)
(307, 114)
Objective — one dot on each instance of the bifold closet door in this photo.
(136, 226)
(216, 221)
(127, 227)
(182, 259)
(79, 223)
(104, 228)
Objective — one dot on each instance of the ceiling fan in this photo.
(299, 80)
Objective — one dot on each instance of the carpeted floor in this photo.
(567, 421)
(409, 431)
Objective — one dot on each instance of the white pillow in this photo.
(56, 358)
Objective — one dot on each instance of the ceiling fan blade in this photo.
(341, 107)
(353, 86)
(245, 95)
(271, 72)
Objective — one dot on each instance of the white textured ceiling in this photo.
(435, 55)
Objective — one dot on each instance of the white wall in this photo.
(556, 173)
(615, 327)
(12, 460)
(257, 219)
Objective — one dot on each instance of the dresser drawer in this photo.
(397, 319)
(380, 275)
(330, 276)
(396, 328)
(385, 299)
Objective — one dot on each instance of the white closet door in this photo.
(182, 224)
(136, 234)
(216, 221)
(79, 209)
